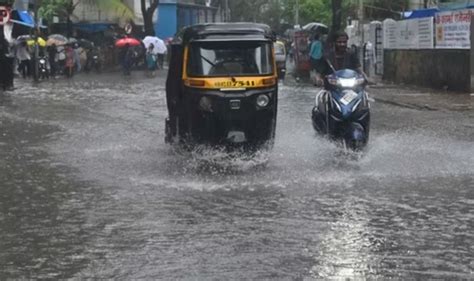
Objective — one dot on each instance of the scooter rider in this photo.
(340, 57)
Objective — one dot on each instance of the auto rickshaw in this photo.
(222, 86)
(280, 57)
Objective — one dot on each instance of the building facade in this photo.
(442, 4)
(173, 15)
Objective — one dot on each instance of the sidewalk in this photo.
(420, 98)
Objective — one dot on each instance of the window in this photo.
(231, 58)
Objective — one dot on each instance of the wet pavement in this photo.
(90, 190)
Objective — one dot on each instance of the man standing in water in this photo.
(316, 52)
(6, 64)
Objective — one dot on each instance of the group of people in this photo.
(134, 55)
(64, 59)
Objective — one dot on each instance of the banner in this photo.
(453, 29)
(409, 34)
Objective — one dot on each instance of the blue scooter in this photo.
(342, 109)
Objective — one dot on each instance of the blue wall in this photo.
(172, 17)
(167, 23)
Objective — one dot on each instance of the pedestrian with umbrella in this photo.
(24, 57)
(77, 57)
(69, 60)
(159, 48)
(127, 59)
(52, 56)
(127, 52)
(151, 61)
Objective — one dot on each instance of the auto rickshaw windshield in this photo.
(235, 58)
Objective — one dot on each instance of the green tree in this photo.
(336, 6)
(244, 10)
(65, 9)
(6, 2)
(272, 15)
(309, 11)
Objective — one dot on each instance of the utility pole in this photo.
(227, 16)
(361, 30)
(297, 13)
(35, 37)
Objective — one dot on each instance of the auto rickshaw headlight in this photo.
(263, 100)
(205, 104)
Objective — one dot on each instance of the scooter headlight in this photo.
(263, 100)
(347, 82)
(350, 82)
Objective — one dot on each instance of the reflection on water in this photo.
(97, 194)
(42, 231)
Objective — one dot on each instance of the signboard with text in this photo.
(409, 34)
(453, 29)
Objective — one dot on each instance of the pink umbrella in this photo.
(122, 42)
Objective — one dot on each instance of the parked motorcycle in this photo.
(93, 61)
(342, 109)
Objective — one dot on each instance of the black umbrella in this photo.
(316, 26)
(86, 44)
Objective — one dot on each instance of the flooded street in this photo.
(89, 189)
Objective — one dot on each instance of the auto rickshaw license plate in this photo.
(234, 104)
(234, 84)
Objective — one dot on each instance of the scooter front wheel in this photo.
(356, 137)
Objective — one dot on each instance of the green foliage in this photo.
(244, 10)
(117, 6)
(315, 11)
(6, 2)
(281, 13)
(51, 8)
(64, 8)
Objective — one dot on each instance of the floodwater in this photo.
(89, 189)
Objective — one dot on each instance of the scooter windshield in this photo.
(230, 58)
(346, 74)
